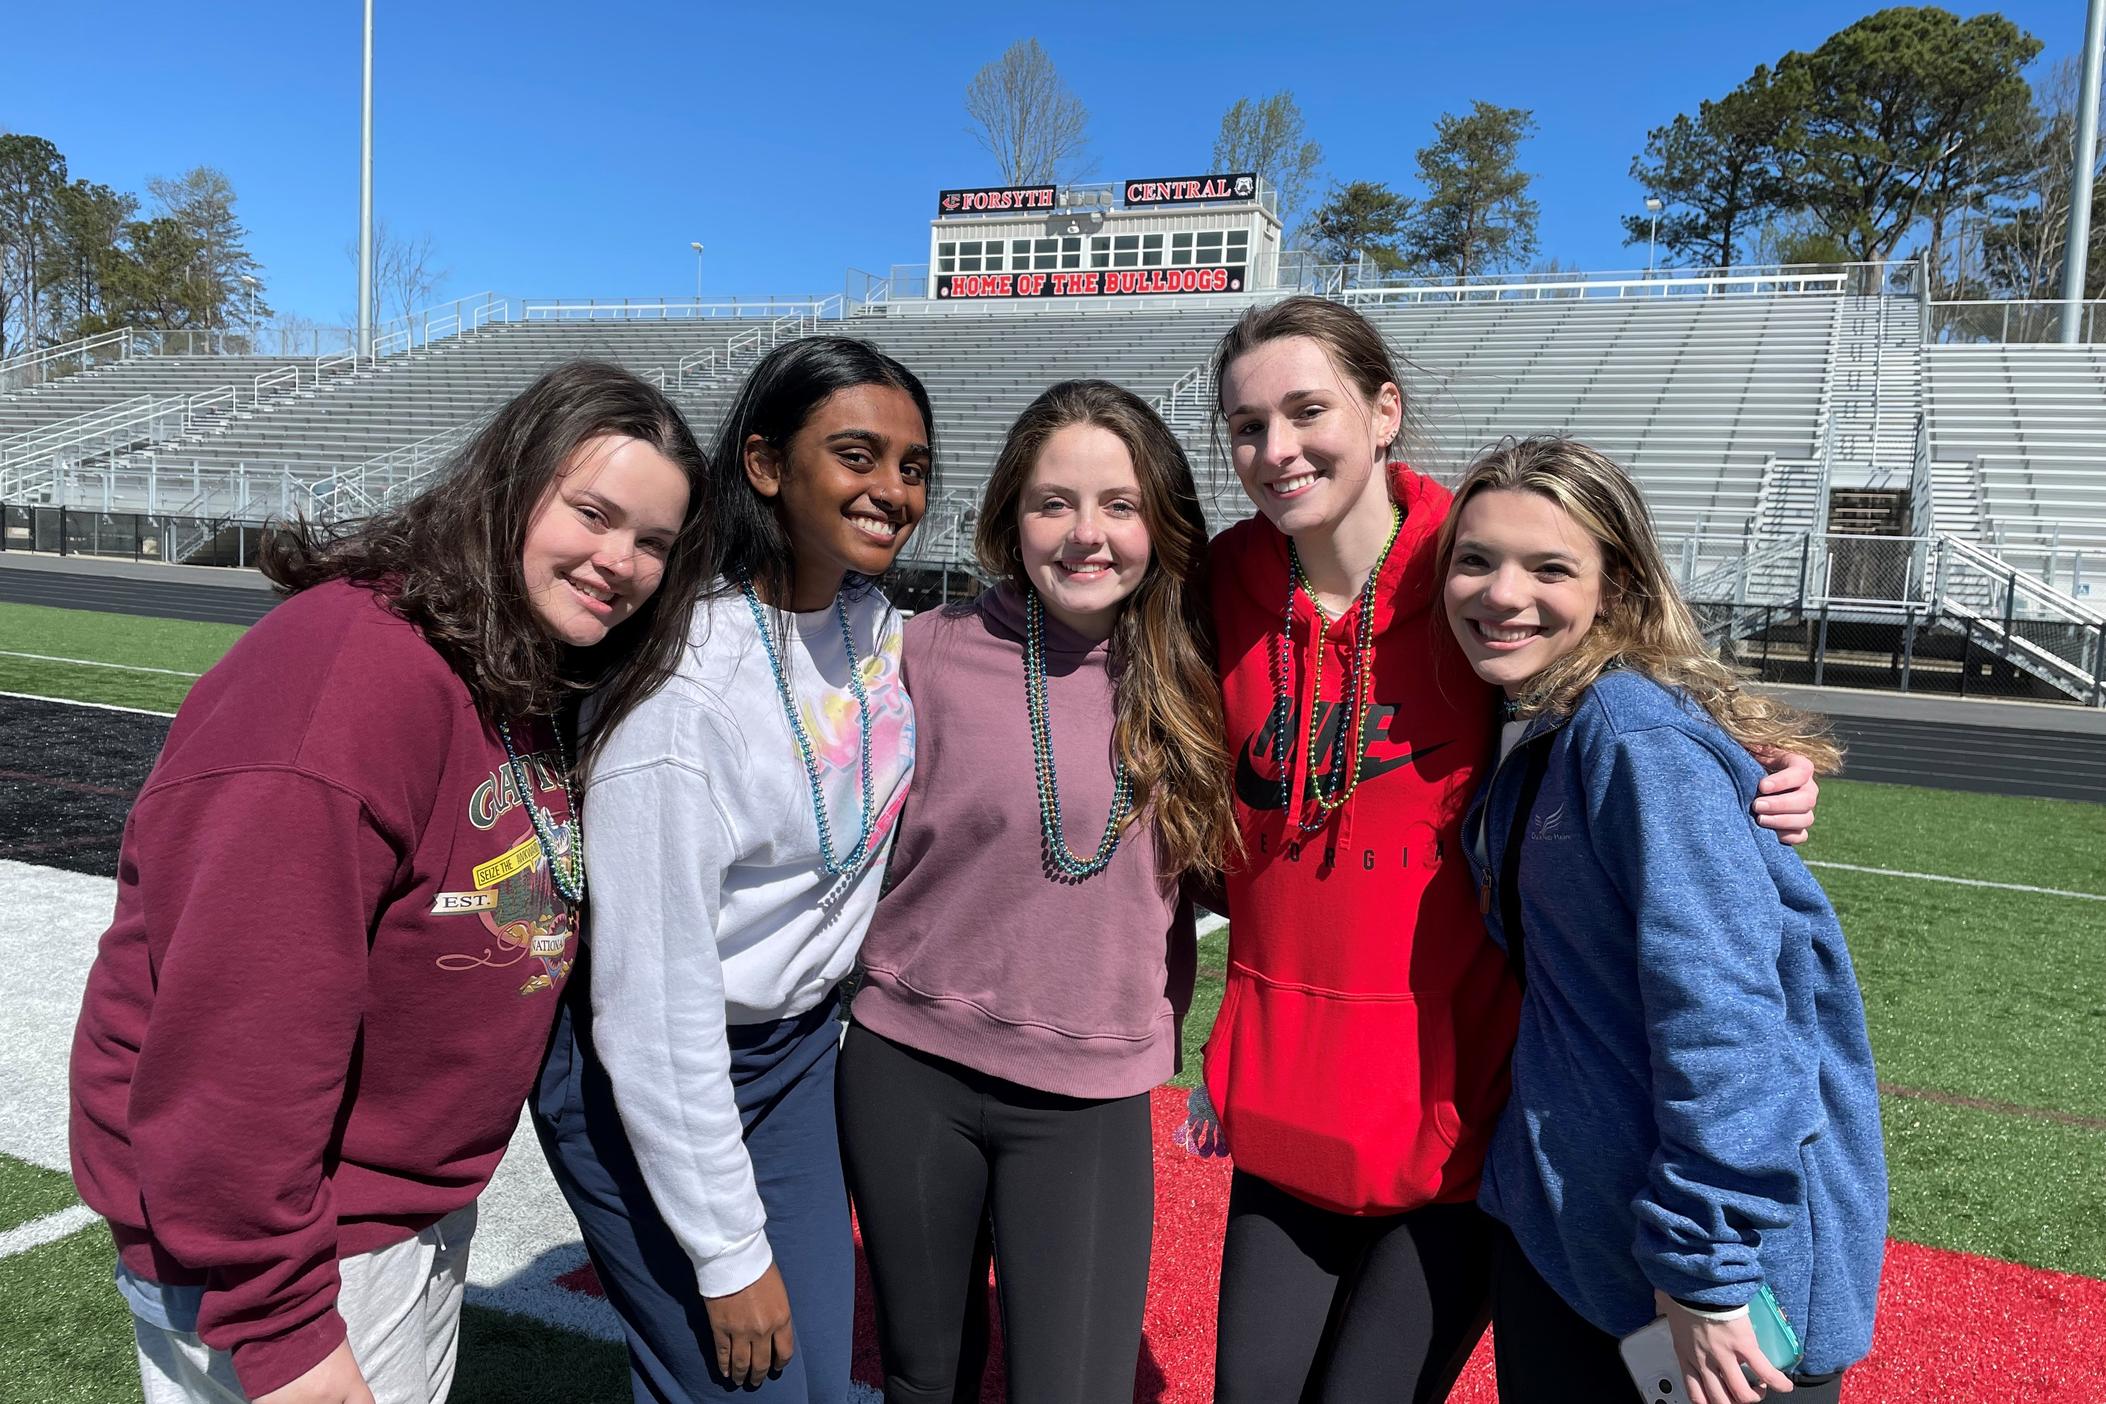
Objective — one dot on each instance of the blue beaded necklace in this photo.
(566, 866)
(851, 860)
(1068, 862)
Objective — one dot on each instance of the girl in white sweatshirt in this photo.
(736, 829)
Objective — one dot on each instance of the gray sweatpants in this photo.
(401, 1305)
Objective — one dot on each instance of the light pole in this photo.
(365, 201)
(2079, 238)
(698, 270)
(1652, 240)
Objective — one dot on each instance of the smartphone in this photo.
(1649, 1351)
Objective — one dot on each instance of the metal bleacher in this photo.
(1743, 401)
(2017, 443)
(1696, 397)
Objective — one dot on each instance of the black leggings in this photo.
(1331, 1308)
(936, 1153)
(1548, 1353)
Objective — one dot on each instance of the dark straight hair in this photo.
(448, 560)
(776, 400)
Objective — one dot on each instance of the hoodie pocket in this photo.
(1347, 1101)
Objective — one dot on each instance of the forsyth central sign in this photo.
(1090, 282)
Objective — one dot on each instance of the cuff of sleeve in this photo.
(276, 1361)
(1698, 1309)
(736, 1268)
(1685, 1282)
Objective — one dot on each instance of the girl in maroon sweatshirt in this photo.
(1027, 968)
(348, 898)
(1359, 1059)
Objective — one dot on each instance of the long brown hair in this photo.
(1167, 724)
(1644, 623)
(448, 560)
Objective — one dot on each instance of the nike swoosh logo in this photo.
(1262, 792)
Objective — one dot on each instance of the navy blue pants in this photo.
(783, 1076)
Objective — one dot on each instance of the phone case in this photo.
(1649, 1351)
(1649, 1354)
(1773, 1331)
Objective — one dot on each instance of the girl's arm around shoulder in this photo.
(659, 841)
(1733, 1095)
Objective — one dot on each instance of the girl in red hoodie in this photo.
(1359, 1058)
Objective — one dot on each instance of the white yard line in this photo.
(49, 1229)
(1958, 881)
(92, 663)
(76, 702)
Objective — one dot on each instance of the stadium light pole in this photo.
(365, 201)
(2073, 257)
(1652, 240)
(698, 270)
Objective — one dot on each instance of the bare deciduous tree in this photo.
(1268, 136)
(406, 272)
(1037, 131)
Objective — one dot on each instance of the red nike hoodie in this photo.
(1359, 1061)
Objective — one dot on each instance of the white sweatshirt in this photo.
(709, 905)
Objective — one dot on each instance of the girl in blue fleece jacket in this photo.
(1693, 1111)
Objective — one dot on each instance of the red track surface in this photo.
(1951, 1325)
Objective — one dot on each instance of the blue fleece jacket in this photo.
(1693, 1100)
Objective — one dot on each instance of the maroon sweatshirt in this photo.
(977, 954)
(329, 981)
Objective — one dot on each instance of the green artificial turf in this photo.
(183, 646)
(2059, 844)
(65, 1335)
(2002, 1186)
(66, 1338)
(30, 1192)
(1982, 993)
(149, 692)
(1212, 978)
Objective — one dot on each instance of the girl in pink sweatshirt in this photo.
(1028, 966)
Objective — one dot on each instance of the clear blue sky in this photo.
(573, 149)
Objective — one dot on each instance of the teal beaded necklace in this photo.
(566, 864)
(853, 858)
(1065, 860)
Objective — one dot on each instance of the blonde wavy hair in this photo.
(1166, 700)
(1643, 622)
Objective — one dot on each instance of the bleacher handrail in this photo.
(1300, 271)
(421, 326)
(369, 487)
(99, 423)
(815, 305)
(32, 367)
(288, 376)
(1666, 283)
(1956, 323)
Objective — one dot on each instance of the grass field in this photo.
(1987, 1008)
(126, 661)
